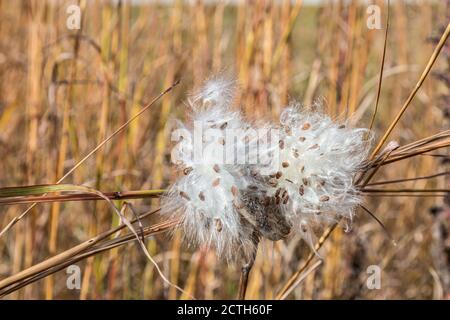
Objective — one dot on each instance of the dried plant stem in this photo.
(427, 69)
(246, 268)
(99, 146)
(293, 279)
(116, 195)
(380, 80)
(408, 179)
(68, 254)
(301, 278)
(58, 265)
(373, 190)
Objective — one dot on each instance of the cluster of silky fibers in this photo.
(317, 162)
(307, 183)
(206, 197)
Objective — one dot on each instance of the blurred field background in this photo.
(63, 91)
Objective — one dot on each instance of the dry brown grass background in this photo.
(62, 92)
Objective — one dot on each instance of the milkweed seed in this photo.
(184, 195)
(288, 130)
(302, 169)
(187, 170)
(286, 199)
(314, 147)
(342, 126)
(281, 144)
(201, 195)
(305, 181)
(234, 190)
(324, 198)
(218, 224)
(306, 126)
(295, 153)
(253, 187)
(222, 141)
(278, 175)
(301, 190)
(216, 168)
(277, 193)
(277, 200)
(301, 139)
(224, 125)
(273, 182)
(216, 182)
(285, 164)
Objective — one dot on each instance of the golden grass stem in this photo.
(380, 80)
(422, 78)
(99, 146)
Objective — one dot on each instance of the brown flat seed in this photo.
(305, 181)
(285, 164)
(301, 190)
(342, 126)
(306, 126)
(234, 190)
(302, 169)
(216, 182)
(286, 199)
(277, 193)
(278, 175)
(184, 195)
(201, 195)
(224, 125)
(324, 198)
(187, 170)
(253, 187)
(216, 168)
(218, 224)
(281, 144)
(301, 139)
(295, 153)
